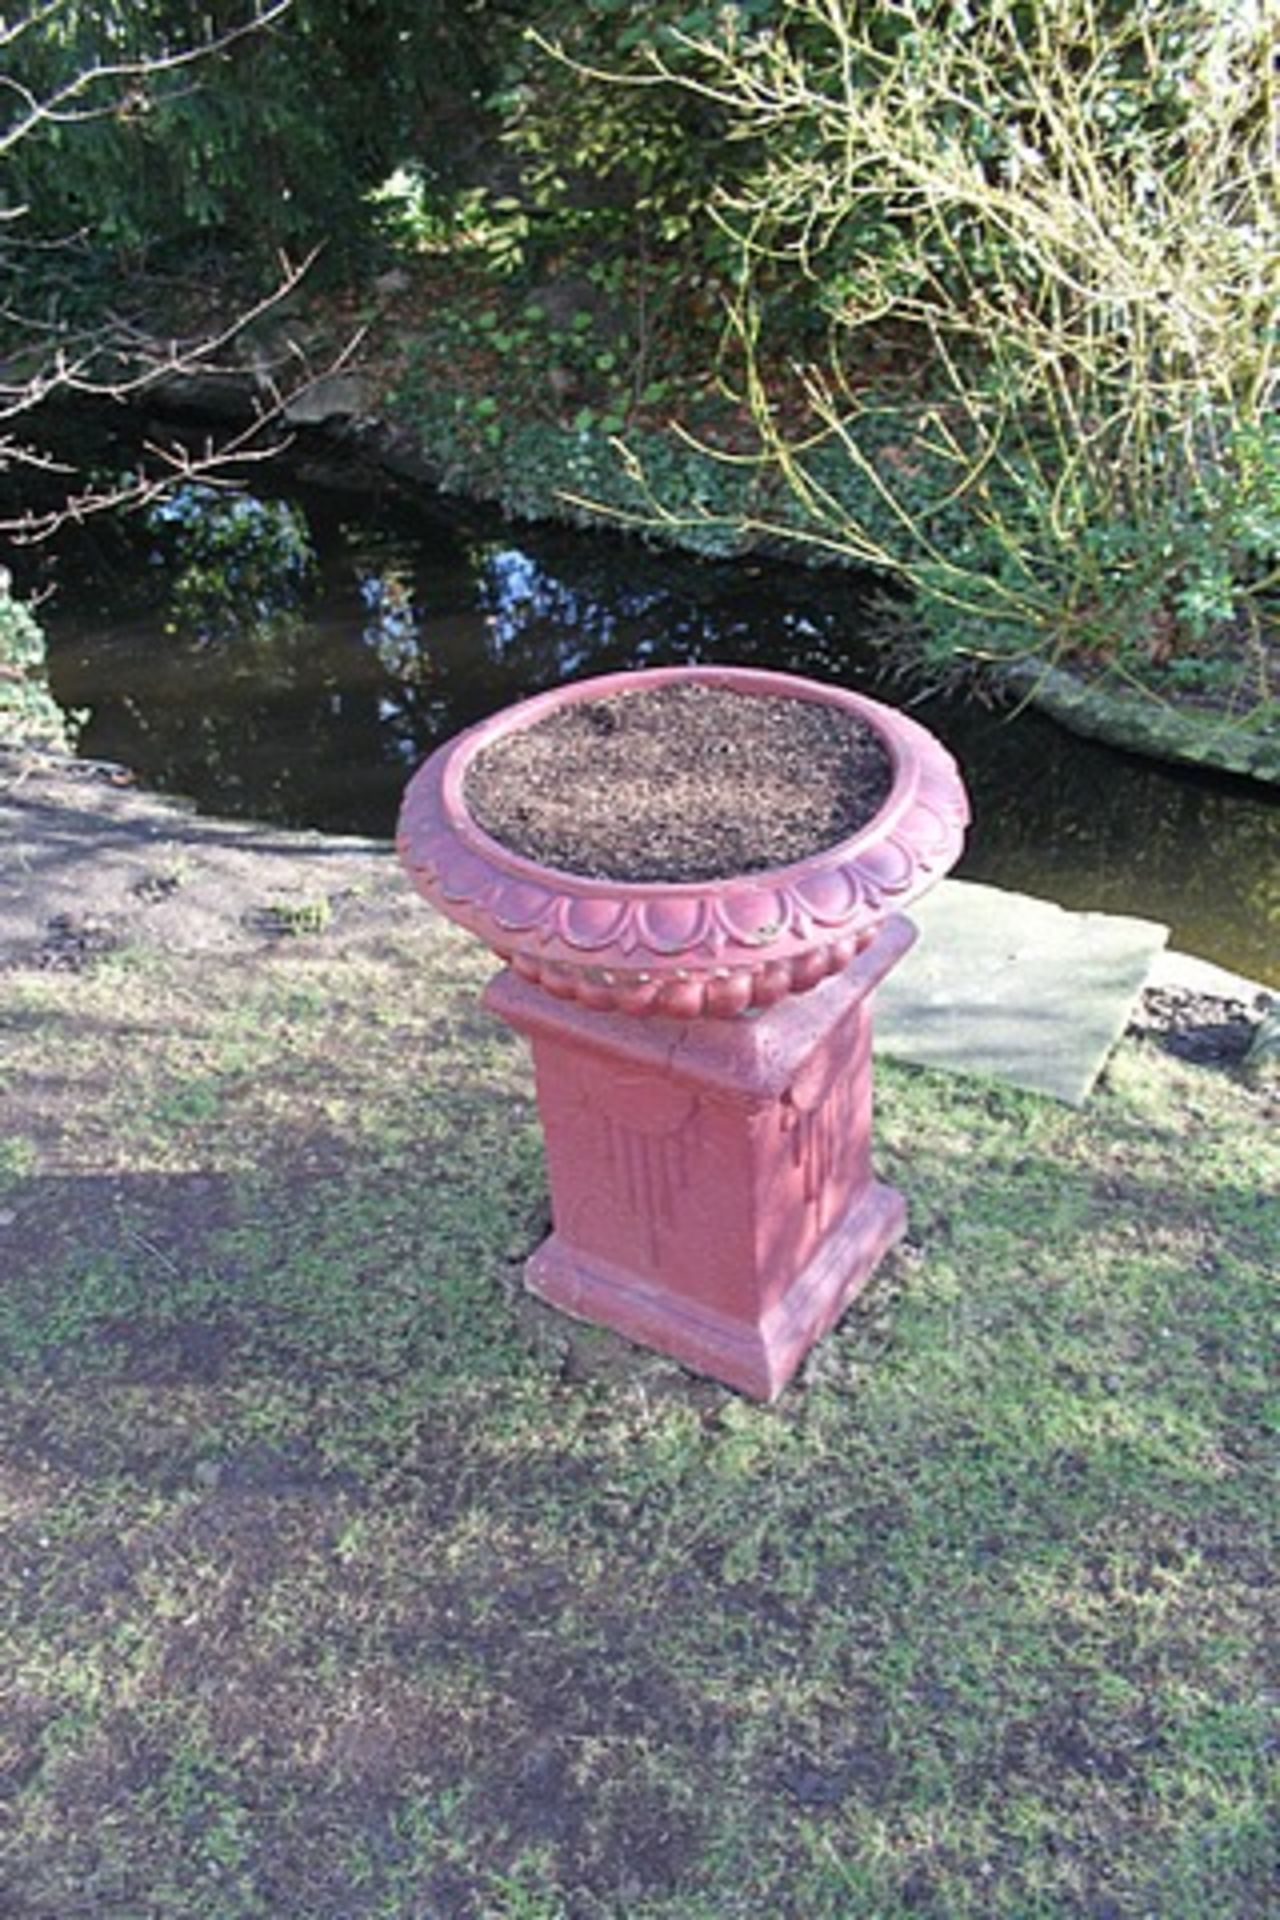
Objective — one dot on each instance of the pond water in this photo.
(306, 693)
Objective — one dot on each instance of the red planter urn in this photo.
(702, 1049)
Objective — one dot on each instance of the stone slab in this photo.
(1014, 989)
(1184, 972)
(1142, 722)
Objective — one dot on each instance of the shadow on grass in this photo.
(328, 1588)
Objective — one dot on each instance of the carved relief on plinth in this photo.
(624, 1140)
(823, 1144)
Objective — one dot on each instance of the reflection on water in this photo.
(413, 628)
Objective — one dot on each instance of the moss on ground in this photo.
(338, 1579)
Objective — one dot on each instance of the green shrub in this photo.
(29, 715)
(253, 140)
(1042, 240)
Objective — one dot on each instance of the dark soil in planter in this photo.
(687, 781)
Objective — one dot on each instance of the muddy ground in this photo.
(90, 862)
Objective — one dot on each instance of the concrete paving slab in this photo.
(1015, 989)
(1185, 973)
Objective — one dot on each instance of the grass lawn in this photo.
(338, 1581)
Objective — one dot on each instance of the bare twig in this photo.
(57, 107)
(1098, 308)
(262, 438)
(118, 360)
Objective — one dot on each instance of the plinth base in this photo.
(758, 1360)
(711, 1181)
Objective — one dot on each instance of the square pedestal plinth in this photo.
(711, 1182)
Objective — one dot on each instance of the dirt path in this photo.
(88, 862)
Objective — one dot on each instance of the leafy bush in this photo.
(1043, 243)
(269, 139)
(29, 715)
